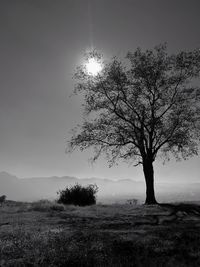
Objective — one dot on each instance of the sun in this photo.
(93, 67)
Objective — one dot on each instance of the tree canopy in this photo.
(141, 108)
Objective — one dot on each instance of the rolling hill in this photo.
(31, 189)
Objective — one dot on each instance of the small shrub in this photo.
(78, 195)
(2, 199)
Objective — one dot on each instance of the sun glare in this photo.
(93, 66)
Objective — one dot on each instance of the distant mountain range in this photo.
(31, 189)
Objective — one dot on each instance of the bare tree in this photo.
(142, 109)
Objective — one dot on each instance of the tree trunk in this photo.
(149, 179)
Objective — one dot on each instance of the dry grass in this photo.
(46, 205)
(44, 234)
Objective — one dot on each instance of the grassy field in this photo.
(48, 234)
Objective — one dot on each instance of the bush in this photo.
(78, 195)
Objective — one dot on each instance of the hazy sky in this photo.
(41, 42)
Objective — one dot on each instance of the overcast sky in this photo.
(41, 43)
